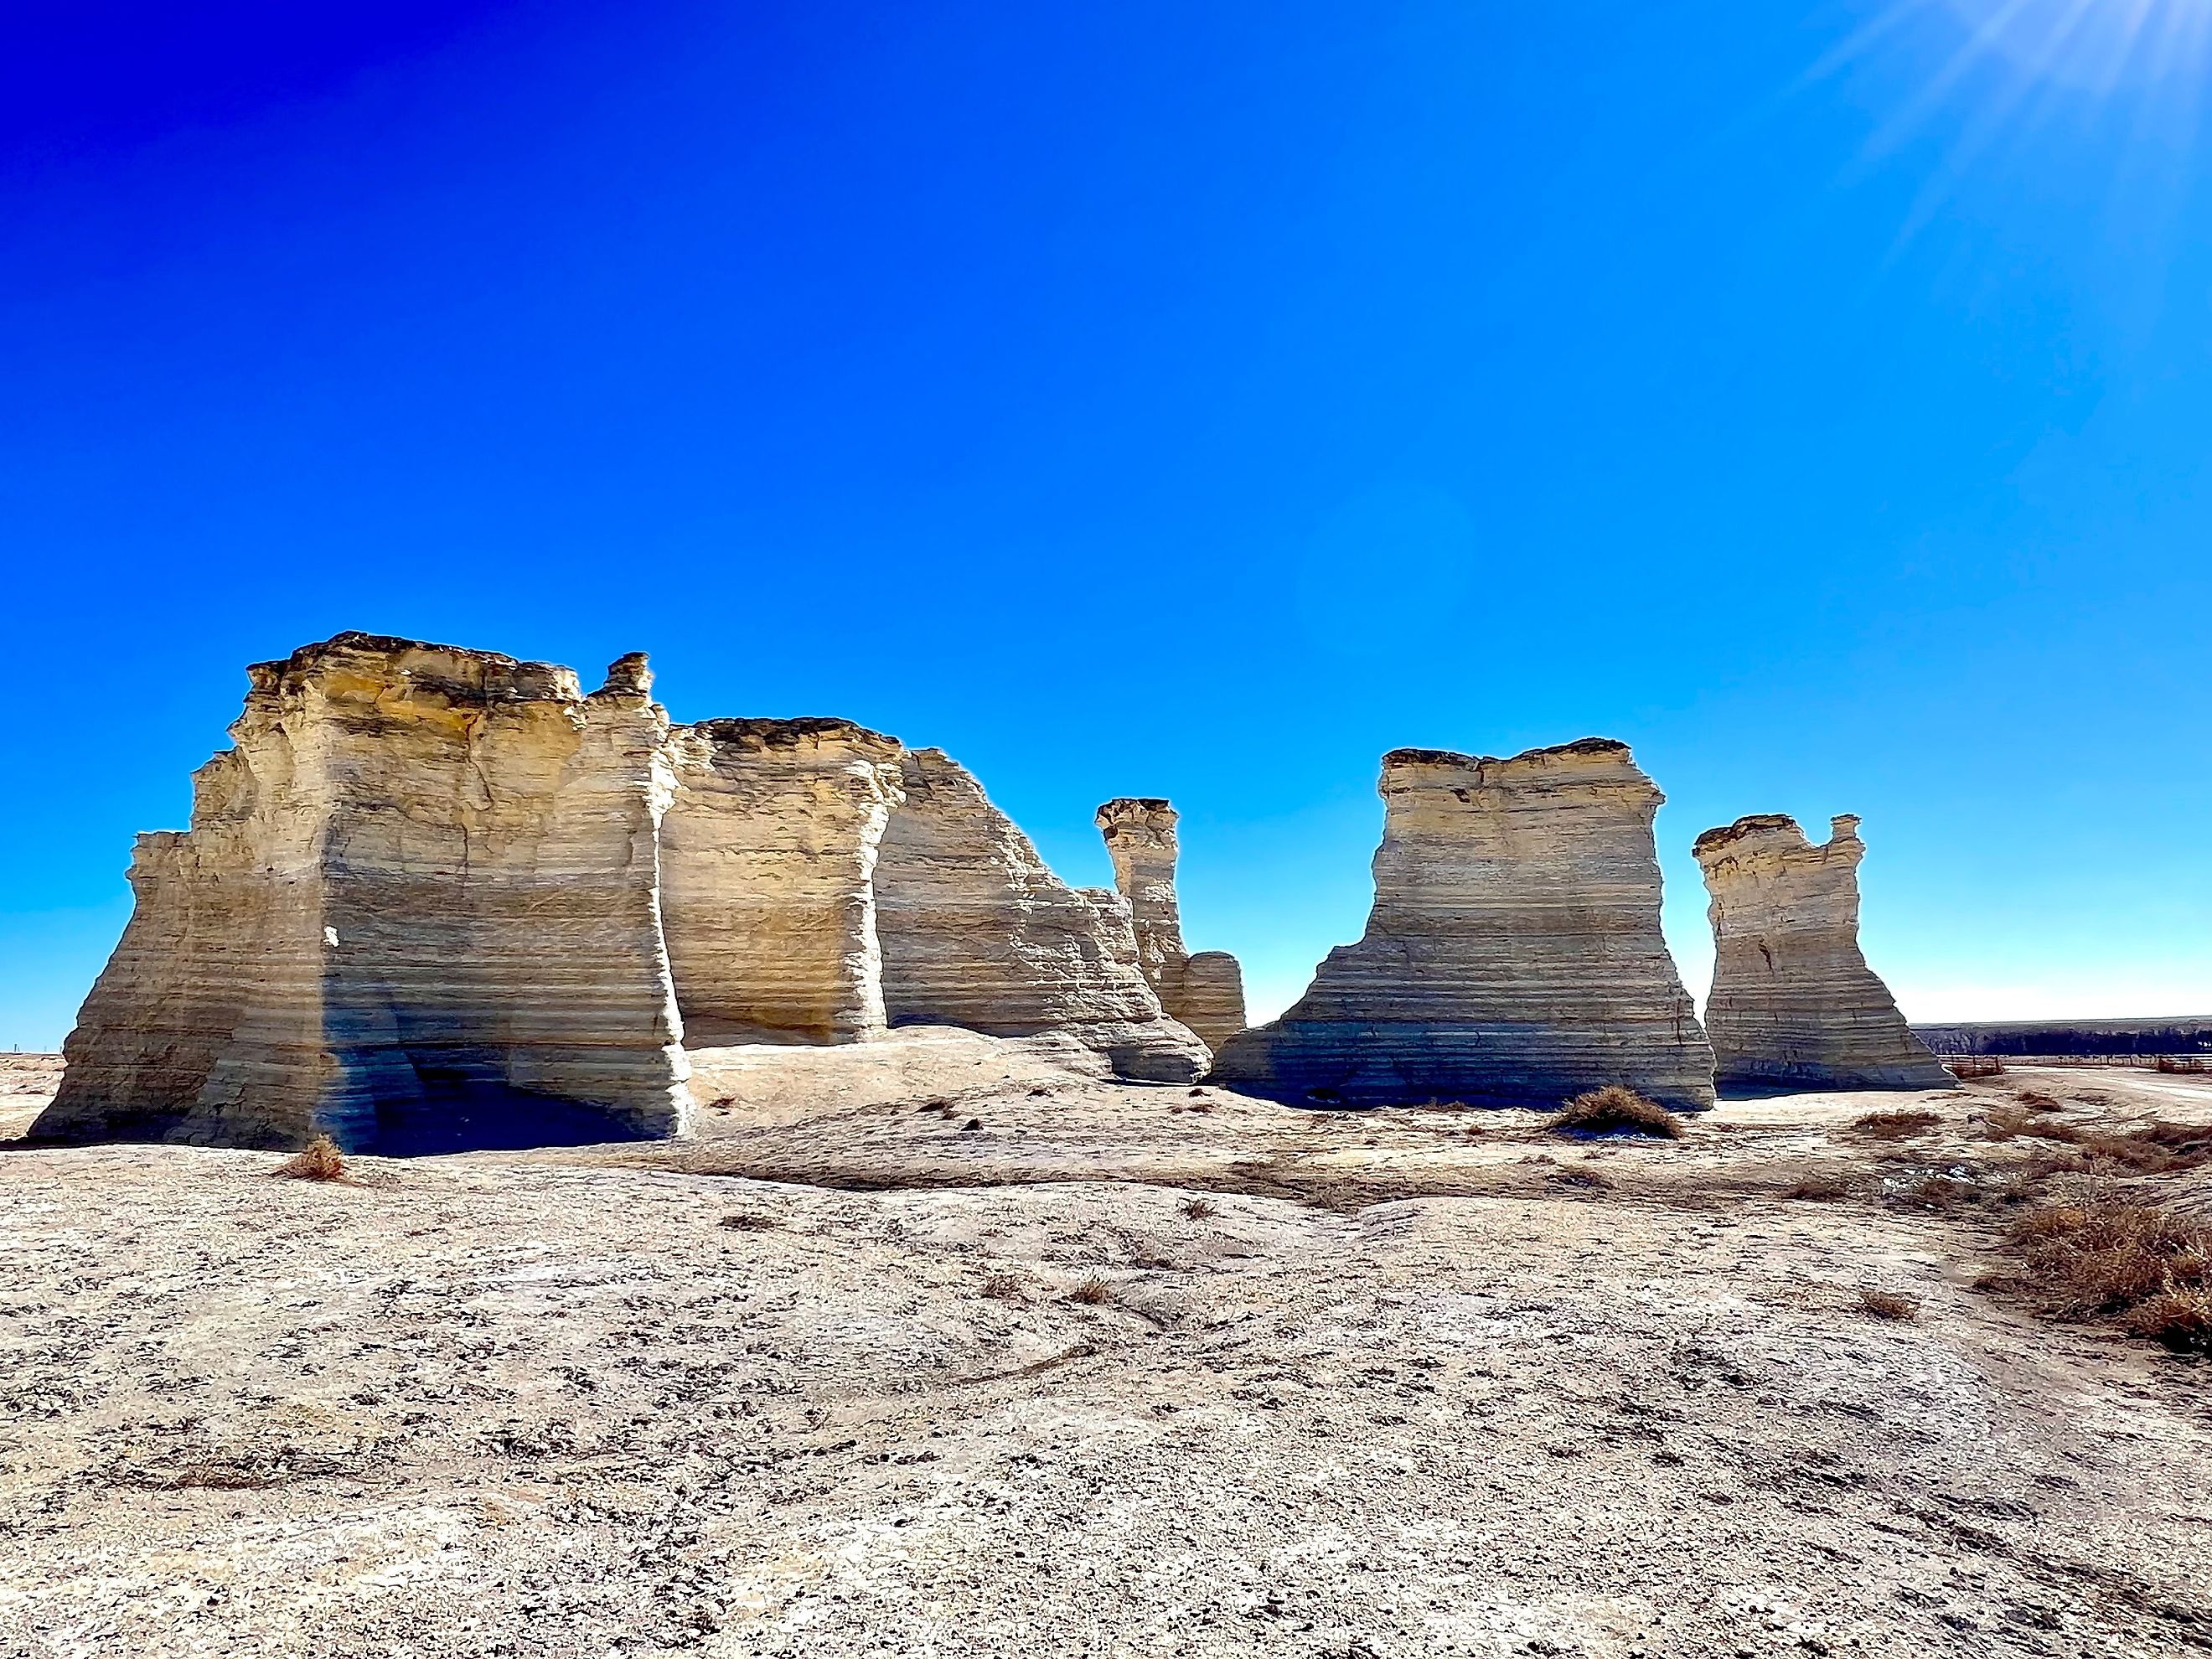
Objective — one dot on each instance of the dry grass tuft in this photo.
(2116, 1259)
(1003, 1287)
(318, 1160)
(1199, 1208)
(1887, 1304)
(1895, 1126)
(1819, 1188)
(2037, 1100)
(1092, 1292)
(1965, 1066)
(748, 1221)
(1615, 1109)
(1581, 1175)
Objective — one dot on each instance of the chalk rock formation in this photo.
(1513, 953)
(1203, 992)
(417, 905)
(1793, 1000)
(977, 932)
(768, 859)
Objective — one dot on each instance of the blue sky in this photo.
(1157, 399)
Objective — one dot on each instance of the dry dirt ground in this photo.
(1377, 1384)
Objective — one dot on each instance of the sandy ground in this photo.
(1380, 1385)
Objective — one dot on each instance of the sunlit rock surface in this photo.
(977, 932)
(416, 906)
(1513, 952)
(768, 859)
(1793, 1001)
(1204, 992)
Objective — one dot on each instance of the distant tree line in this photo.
(2186, 1036)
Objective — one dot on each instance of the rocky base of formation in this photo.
(1513, 953)
(1794, 1003)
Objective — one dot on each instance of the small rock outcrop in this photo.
(1513, 953)
(1794, 1003)
(977, 932)
(417, 905)
(1204, 992)
(768, 859)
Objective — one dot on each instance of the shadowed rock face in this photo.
(1513, 953)
(768, 859)
(1793, 1000)
(977, 932)
(1204, 992)
(421, 886)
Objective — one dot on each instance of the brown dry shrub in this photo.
(1895, 1126)
(2036, 1100)
(1887, 1304)
(2154, 1148)
(318, 1160)
(1092, 1292)
(1199, 1208)
(1820, 1187)
(1003, 1287)
(748, 1221)
(1964, 1067)
(1615, 1109)
(2115, 1258)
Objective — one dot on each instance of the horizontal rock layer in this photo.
(767, 858)
(977, 932)
(418, 901)
(1513, 953)
(1793, 1002)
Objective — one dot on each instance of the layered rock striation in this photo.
(1794, 1003)
(418, 901)
(768, 860)
(1513, 953)
(1204, 992)
(977, 932)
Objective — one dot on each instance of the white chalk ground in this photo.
(1456, 1402)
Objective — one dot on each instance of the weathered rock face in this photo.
(1203, 992)
(1513, 953)
(768, 859)
(417, 906)
(977, 932)
(1793, 1000)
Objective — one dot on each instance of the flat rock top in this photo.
(1395, 1384)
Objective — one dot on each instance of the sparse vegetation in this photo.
(1966, 1067)
(1819, 1188)
(1197, 1209)
(971, 1125)
(2111, 1257)
(1003, 1287)
(318, 1160)
(1615, 1109)
(749, 1221)
(1887, 1304)
(1895, 1126)
(1092, 1292)
(1580, 1174)
(2037, 1100)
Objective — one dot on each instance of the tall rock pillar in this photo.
(1206, 992)
(1794, 1003)
(1514, 951)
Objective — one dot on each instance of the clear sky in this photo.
(1152, 398)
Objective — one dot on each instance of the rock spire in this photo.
(1204, 992)
(1794, 1003)
(1513, 952)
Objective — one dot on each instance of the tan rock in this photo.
(1204, 992)
(767, 857)
(416, 906)
(1513, 953)
(977, 932)
(1793, 1000)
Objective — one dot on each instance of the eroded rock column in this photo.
(1794, 1003)
(1513, 952)
(768, 859)
(977, 932)
(1203, 992)
(418, 907)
